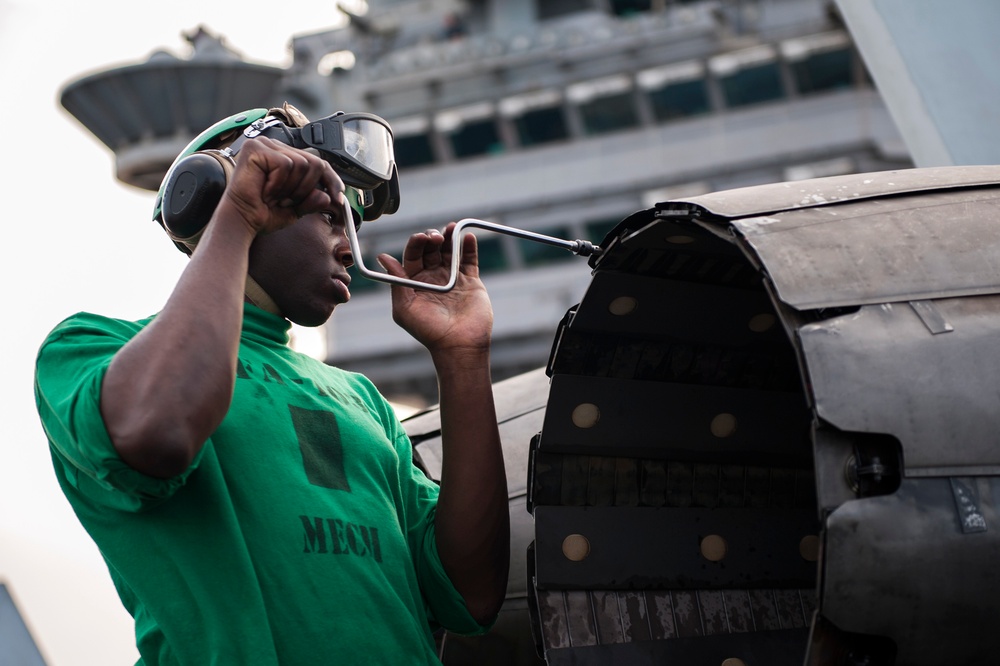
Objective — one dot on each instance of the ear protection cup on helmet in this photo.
(192, 191)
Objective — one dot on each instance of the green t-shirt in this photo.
(302, 534)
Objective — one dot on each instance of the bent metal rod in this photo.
(578, 247)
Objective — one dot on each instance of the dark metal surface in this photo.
(765, 365)
(880, 370)
(583, 480)
(589, 618)
(645, 548)
(679, 421)
(775, 648)
(932, 245)
(663, 307)
(901, 566)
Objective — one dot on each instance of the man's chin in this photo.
(312, 319)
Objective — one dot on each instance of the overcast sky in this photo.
(75, 239)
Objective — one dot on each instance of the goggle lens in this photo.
(369, 143)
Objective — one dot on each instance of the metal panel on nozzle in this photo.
(882, 370)
(931, 245)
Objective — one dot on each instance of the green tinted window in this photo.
(607, 114)
(629, 7)
(676, 100)
(491, 254)
(598, 229)
(823, 71)
(753, 85)
(476, 138)
(413, 150)
(552, 8)
(539, 254)
(541, 126)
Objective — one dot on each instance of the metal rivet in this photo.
(723, 425)
(586, 415)
(762, 322)
(680, 240)
(713, 548)
(734, 661)
(240, 118)
(809, 548)
(623, 305)
(576, 547)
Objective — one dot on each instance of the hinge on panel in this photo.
(873, 469)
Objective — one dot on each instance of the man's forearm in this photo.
(473, 521)
(167, 390)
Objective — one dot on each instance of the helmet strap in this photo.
(257, 296)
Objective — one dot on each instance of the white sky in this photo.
(78, 240)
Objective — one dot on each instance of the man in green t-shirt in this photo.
(256, 506)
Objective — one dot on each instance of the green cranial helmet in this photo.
(184, 216)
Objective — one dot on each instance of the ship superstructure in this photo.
(563, 118)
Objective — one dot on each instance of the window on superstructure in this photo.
(753, 85)
(553, 8)
(679, 100)
(818, 72)
(676, 90)
(630, 7)
(598, 229)
(818, 62)
(470, 130)
(479, 137)
(606, 104)
(539, 254)
(609, 114)
(537, 117)
(751, 76)
(413, 150)
(491, 254)
(541, 126)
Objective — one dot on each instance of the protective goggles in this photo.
(357, 145)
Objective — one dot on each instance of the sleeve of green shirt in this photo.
(69, 369)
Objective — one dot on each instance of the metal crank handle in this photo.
(579, 247)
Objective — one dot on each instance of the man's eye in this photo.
(331, 218)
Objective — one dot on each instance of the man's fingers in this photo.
(433, 249)
(470, 253)
(413, 252)
(422, 251)
(308, 174)
(391, 266)
(291, 176)
(319, 200)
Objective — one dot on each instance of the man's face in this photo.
(304, 267)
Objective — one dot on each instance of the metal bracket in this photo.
(854, 472)
(932, 317)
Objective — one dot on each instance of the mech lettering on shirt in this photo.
(337, 537)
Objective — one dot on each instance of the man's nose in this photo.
(343, 250)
